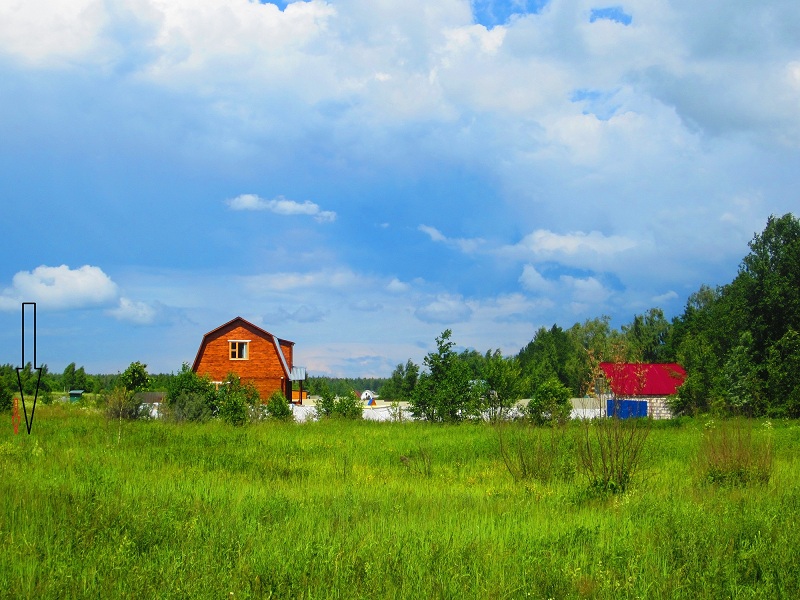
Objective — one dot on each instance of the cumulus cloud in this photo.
(444, 309)
(65, 31)
(546, 245)
(134, 311)
(281, 206)
(396, 286)
(60, 288)
(533, 281)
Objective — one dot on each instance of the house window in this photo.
(238, 349)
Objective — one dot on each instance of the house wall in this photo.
(263, 366)
(657, 408)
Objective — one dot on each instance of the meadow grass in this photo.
(343, 509)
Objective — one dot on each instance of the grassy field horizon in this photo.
(338, 509)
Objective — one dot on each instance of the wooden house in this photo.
(252, 353)
(641, 389)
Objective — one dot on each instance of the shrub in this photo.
(730, 455)
(348, 406)
(329, 405)
(6, 397)
(537, 453)
(122, 404)
(550, 402)
(278, 407)
(189, 406)
(610, 451)
(235, 400)
(191, 397)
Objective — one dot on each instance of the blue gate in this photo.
(626, 409)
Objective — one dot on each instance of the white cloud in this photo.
(335, 279)
(60, 288)
(446, 308)
(397, 287)
(134, 311)
(545, 244)
(433, 233)
(281, 206)
(533, 281)
(665, 297)
(60, 32)
(465, 245)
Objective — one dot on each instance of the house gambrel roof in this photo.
(643, 379)
(292, 373)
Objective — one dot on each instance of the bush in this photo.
(235, 400)
(278, 407)
(6, 397)
(347, 406)
(550, 402)
(610, 451)
(189, 406)
(122, 404)
(730, 455)
(537, 453)
(191, 397)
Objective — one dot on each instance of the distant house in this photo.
(252, 353)
(641, 389)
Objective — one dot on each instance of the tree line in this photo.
(739, 343)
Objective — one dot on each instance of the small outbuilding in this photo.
(640, 389)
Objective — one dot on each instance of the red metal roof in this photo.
(644, 379)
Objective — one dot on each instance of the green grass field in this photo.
(376, 510)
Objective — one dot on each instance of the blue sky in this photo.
(356, 176)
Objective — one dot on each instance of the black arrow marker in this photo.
(29, 424)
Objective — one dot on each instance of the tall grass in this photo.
(732, 453)
(330, 510)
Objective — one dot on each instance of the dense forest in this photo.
(739, 343)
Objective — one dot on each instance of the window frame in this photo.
(239, 349)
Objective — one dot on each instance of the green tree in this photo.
(346, 406)
(504, 383)
(647, 337)
(6, 396)
(135, 378)
(445, 391)
(68, 377)
(547, 356)
(742, 386)
(771, 281)
(81, 380)
(278, 407)
(236, 400)
(191, 397)
(550, 402)
(401, 384)
(697, 356)
(783, 375)
(122, 404)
